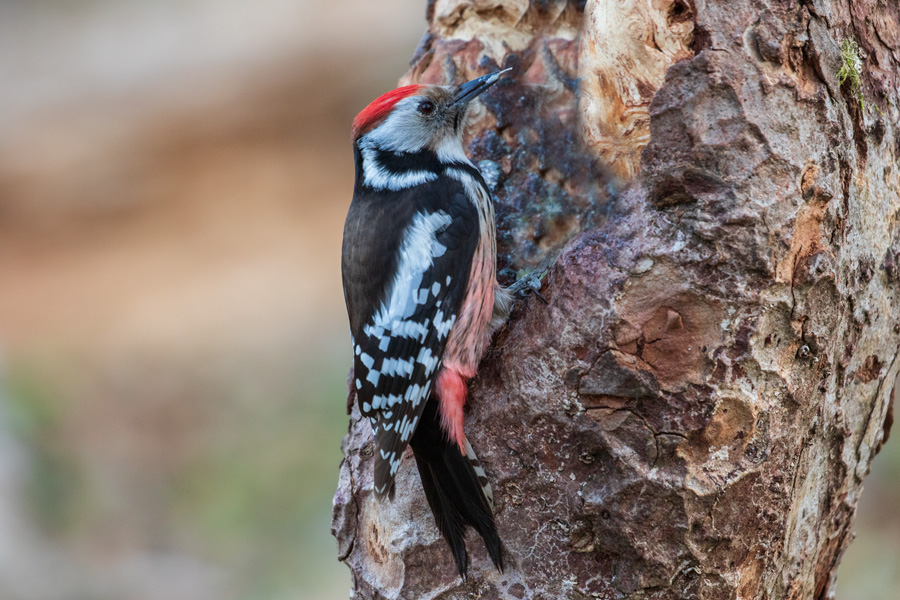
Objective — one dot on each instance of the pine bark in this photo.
(693, 412)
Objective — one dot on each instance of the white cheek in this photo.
(403, 130)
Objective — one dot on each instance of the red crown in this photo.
(375, 112)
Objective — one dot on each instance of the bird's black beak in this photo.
(472, 89)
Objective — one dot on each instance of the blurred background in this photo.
(174, 176)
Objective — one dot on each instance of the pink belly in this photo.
(468, 341)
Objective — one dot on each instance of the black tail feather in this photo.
(455, 495)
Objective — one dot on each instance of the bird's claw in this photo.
(529, 284)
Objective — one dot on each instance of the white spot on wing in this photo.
(397, 366)
(415, 393)
(408, 429)
(409, 329)
(427, 359)
(443, 325)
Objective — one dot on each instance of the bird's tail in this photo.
(456, 487)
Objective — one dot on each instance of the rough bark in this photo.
(693, 412)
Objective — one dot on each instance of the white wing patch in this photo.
(419, 247)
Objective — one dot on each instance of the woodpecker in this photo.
(420, 283)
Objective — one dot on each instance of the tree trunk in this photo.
(693, 412)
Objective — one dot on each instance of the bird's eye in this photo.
(426, 107)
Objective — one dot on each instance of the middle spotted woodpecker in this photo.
(419, 274)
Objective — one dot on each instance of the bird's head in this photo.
(417, 118)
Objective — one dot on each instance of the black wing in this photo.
(405, 264)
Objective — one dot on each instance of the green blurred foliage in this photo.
(253, 494)
(260, 495)
(36, 411)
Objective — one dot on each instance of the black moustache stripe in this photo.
(398, 163)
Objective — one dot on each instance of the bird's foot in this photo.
(529, 284)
